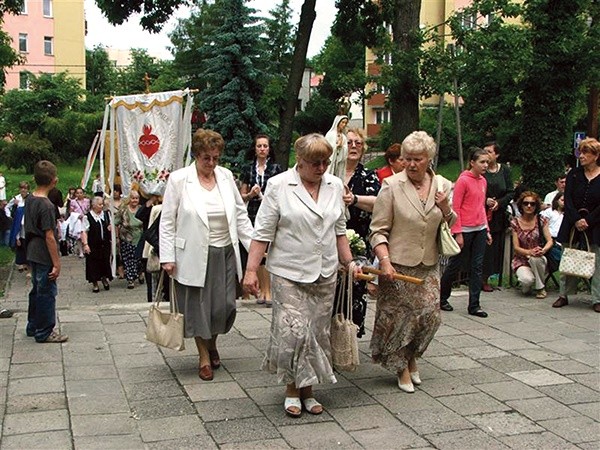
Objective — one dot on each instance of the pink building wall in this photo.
(36, 26)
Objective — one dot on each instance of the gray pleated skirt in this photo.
(210, 310)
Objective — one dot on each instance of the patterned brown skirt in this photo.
(407, 317)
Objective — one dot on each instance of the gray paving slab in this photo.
(223, 410)
(546, 441)
(465, 439)
(327, 435)
(576, 430)
(38, 385)
(169, 428)
(116, 442)
(469, 404)
(35, 421)
(542, 408)
(571, 393)
(103, 425)
(435, 420)
(36, 402)
(505, 424)
(240, 430)
(509, 390)
(47, 440)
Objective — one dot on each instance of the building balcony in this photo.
(376, 100)
(373, 69)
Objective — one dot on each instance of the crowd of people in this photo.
(290, 237)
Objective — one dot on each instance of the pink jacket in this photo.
(468, 201)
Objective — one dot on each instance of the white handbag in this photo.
(577, 263)
(447, 245)
(165, 328)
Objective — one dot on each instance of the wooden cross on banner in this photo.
(147, 81)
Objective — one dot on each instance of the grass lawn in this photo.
(69, 175)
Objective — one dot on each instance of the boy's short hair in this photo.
(44, 173)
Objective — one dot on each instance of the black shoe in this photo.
(479, 313)
(445, 306)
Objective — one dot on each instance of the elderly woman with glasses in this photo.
(203, 219)
(302, 216)
(582, 215)
(531, 241)
(361, 189)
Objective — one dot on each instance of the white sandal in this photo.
(310, 404)
(293, 402)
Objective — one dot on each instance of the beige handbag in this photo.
(577, 263)
(153, 263)
(344, 343)
(165, 328)
(447, 245)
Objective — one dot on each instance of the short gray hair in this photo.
(419, 142)
(97, 199)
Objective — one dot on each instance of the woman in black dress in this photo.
(582, 216)
(362, 187)
(95, 238)
(254, 182)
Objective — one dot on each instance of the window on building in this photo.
(22, 42)
(382, 116)
(48, 47)
(468, 21)
(24, 80)
(47, 8)
(23, 7)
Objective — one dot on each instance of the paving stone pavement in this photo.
(526, 377)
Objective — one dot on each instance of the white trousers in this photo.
(532, 276)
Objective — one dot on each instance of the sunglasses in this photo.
(529, 204)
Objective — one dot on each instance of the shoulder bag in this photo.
(578, 263)
(165, 328)
(447, 245)
(344, 343)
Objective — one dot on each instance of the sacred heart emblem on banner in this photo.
(148, 143)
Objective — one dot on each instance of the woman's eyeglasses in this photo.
(318, 164)
(357, 143)
(529, 204)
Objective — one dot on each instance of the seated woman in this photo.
(531, 241)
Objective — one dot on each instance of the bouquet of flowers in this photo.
(357, 244)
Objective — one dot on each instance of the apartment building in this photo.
(50, 35)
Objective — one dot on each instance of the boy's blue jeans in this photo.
(41, 317)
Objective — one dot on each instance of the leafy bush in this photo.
(26, 150)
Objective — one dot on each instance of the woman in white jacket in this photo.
(203, 220)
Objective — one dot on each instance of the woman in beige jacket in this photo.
(406, 218)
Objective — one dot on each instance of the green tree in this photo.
(51, 112)
(278, 45)
(100, 73)
(26, 150)
(491, 58)
(551, 84)
(234, 83)
(344, 67)
(153, 14)
(130, 79)
(188, 37)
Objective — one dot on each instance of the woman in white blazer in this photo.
(302, 216)
(203, 220)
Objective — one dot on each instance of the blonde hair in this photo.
(312, 147)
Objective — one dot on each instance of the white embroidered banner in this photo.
(153, 135)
